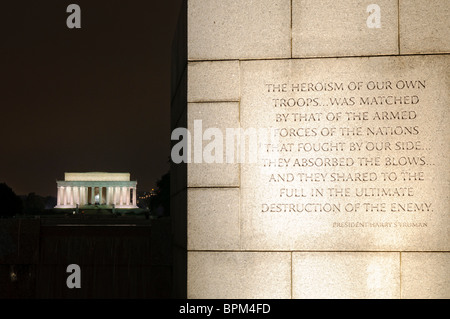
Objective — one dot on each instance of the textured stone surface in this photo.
(218, 116)
(282, 211)
(213, 81)
(381, 243)
(339, 28)
(213, 218)
(424, 26)
(345, 275)
(236, 29)
(426, 275)
(239, 275)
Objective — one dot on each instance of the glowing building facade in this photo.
(96, 189)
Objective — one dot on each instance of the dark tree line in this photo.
(31, 204)
(160, 203)
(10, 203)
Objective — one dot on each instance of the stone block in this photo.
(350, 275)
(241, 275)
(238, 29)
(213, 81)
(213, 218)
(425, 275)
(339, 28)
(389, 194)
(424, 26)
(209, 167)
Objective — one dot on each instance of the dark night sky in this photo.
(89, 99)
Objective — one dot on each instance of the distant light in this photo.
(13, 276)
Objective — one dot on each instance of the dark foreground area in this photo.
(122, 257)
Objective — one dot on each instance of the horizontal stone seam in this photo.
(366, 56)
(311, 251)
(329, 57)
(426, 53)
(214, 101)
(238, 60)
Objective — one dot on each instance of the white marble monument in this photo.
(96, 188)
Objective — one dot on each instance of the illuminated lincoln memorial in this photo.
(85, 189)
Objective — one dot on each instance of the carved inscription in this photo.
(360, 158)
(370, 124)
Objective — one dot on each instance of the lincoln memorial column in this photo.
(76, 195)
(66, 195)
(86, 195)
(92, 195)
(107, 195)
(134, 196)
(63, 195)
(124, 193)
(69, 195)
(82, 197)
(58, 196)
(117, 194)
(81, 194)
(128, 196)
(72, 201)
(100, 195)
